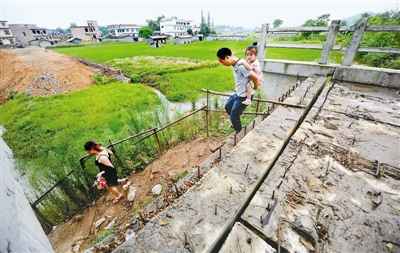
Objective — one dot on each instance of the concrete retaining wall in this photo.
(20, 231)
(356, 74)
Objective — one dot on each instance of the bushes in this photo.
(47, 133)
(381, 39)
(100, 79)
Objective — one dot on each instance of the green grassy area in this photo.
(103, 52)
(165, 68)
(179, 79)
(186, 86)
(147, 68)
(46, 134)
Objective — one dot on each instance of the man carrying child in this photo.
(243, 74)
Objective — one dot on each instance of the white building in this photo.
(175, 27)
(123, 30)
(89, 32)
(32, 35)
(7, 38)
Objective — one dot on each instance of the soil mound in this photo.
(41, 72)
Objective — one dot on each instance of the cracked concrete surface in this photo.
(330, 199)
(334, 188)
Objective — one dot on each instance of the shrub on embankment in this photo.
(46, 134)
(382, 39)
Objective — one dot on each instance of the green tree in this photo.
(104, 31)
(205, 27)
(381, 39)
(155, 24)
(190, 31)
(145, 32)
(277, 23)
(322, 20)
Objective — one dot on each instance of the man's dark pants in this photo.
(234, 107)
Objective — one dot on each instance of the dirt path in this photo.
(80, 230)
(40, 72)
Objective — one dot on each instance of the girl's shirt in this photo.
(104, 157)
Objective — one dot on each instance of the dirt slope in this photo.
(174, 162)
(40, 72)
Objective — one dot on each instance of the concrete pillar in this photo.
(352, 49)
(20, 231)
(262, 43)
(330, 41)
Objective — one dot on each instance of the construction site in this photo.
(316, 170)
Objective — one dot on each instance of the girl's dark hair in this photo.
(92, 145)
(252, 48)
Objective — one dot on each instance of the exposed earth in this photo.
(40, 72)
(80, 232)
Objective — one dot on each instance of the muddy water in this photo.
(20, 231)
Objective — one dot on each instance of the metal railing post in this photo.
(207, 113)
(111, 145)
(158, 141)
(352, 49)
(258, 105)
(262, 44)
(330, 41)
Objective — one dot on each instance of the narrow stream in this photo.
(19, 229)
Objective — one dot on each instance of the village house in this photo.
(118, 31)
(32, 35)
(175, 27)
(7, 38)
(89, 32)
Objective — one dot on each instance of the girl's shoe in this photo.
(247, 102)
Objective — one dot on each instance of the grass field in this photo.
(206, 50)
(48, 132)
(133, 59)
(179, 79)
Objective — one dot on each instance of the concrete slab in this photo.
(368, 75)
(355, 73)
(194, 221)
(242, 240)
(365, 101)
(328, 197)
(294, 68)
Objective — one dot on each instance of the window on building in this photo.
(86, 30)
(24, 33)
(7, 32)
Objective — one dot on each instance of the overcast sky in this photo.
(60, 13)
